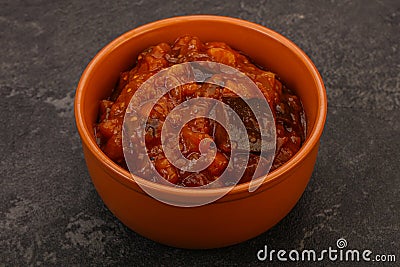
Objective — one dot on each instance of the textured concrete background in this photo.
(50, 213)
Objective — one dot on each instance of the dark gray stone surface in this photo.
(50, 213)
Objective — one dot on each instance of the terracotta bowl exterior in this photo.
(239, 215)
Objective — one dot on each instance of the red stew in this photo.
(286, 108)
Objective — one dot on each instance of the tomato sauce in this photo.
(285, 105)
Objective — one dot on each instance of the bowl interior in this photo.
(264, 46)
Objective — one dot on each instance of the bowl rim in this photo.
(125, 177)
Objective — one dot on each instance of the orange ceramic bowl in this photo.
(239, 215)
